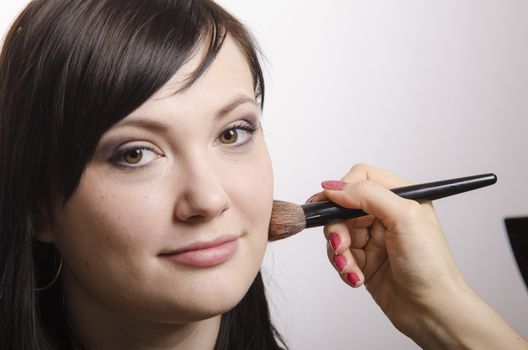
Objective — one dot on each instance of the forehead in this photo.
(226, 84)
(229, 72)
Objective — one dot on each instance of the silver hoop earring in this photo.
(47, 286)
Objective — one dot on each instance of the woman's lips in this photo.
(205, 254)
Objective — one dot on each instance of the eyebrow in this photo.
(147, 124)
(159, 127)
(237, 101)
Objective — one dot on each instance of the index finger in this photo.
(376, 200)
(362, 172)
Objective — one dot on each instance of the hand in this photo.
(399, 252)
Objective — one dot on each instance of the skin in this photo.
(399, 252)
(191, 185)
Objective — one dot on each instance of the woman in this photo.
(137, 191)
(130, 140)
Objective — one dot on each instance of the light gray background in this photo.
(427, 89)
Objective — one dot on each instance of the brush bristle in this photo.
(286, 219)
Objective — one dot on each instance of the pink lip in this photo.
(205, 254)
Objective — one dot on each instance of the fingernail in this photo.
(353, 278)
(333, 185)
(335, 241)
(340, 262)
(310, 200)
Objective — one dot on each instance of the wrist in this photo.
(435, 328)
(460, 319)
(440, 318)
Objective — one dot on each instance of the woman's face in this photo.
(170, 219)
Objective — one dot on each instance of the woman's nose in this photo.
(202, 196)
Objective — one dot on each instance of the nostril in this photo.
(195, 208)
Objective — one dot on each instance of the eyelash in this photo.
(248, 127)
(117, 161)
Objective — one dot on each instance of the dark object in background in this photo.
(518, 233)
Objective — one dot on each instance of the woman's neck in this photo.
(196, 335)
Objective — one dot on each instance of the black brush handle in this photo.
(320, 213)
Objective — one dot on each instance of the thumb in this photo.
(372, 198)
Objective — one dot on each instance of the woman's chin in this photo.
(204, 303)
(202, 310)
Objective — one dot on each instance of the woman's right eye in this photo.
(135, 157)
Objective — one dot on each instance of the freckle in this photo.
(108, 238)
(87, 264)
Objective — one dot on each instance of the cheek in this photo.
(102, 230)
(109, 239)
(252, 190)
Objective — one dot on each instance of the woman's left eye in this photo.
(237, 135)
(135, 157)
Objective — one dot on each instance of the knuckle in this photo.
(330, 253)
(412, 211)
(329, 229)
(364, 186)
(359, 168)
(326, 231)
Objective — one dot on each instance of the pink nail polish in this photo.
(333, 185)
(309, 200)
(353, 278)
(340, 262)
(335, 241)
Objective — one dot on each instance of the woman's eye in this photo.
(237, 135)
(135, 157)
(229, 136)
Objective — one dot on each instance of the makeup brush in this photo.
(288, 219)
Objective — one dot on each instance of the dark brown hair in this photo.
(69, 70)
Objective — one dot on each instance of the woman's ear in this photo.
(43, 235)
(42, 225)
